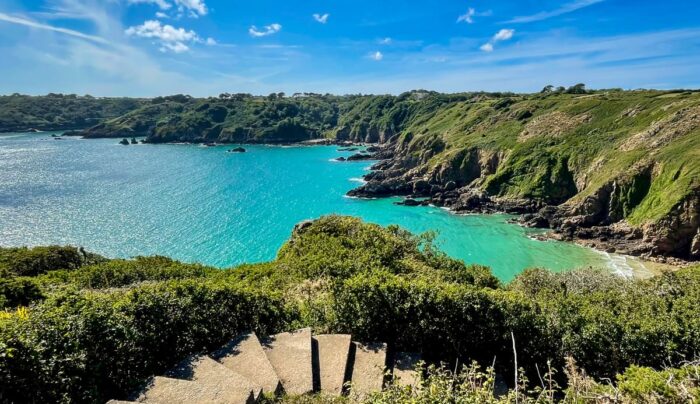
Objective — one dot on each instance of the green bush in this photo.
(118, 272)
(18, 292)
(90, 346)
(39, 260)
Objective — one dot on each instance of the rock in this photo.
(340, 159)
(236, 150)
(421, 187)
(409, 202)
(695, 246)
(344, 149)
(450, 186)
(359, 156)
(125, 142)
(134, 141)
(301, 226)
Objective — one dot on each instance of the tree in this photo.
(579, 88)
(547, 89)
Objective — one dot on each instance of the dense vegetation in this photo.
(97, 328)
(59, 111)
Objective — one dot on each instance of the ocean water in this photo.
(202, 204)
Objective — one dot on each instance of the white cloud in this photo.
(161, 15)
(385, 41)
(468, 17)
(566, 8)
(267, 30)
(195, 7)
(162, 4)
(177, 47)
(322, 18)
(503, 35)
(38, 25)
(170, 38)
(376, 56)
(487, 47)
(211, 41)
(166, 33)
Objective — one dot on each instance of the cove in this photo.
(202, 204)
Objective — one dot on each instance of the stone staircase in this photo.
(291, 363)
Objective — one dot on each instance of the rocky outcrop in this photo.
(460, 182)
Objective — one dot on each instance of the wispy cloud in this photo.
(385, 41)
(47, 27)
(169, 37)
(267, 30)
(468, 17)
(162, 4)
(194, 8)
(502, 35)
(566, 8)
(321, 18)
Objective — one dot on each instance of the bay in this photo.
(202, 204)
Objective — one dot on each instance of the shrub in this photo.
(18, 292)
(89, 347)
(39, 260)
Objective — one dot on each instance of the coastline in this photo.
(622, 240)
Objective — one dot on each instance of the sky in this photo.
(147, 48)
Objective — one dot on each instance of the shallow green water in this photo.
(201, 204)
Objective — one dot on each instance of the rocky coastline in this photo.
(593, 223)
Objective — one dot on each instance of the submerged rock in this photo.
(409, 202)
(237, 150)
(340, 159)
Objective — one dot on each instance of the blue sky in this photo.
(205, 47)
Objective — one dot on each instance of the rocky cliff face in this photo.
(639, 194)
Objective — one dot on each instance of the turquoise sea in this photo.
(202, 204)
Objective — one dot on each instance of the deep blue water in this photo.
(201, 204)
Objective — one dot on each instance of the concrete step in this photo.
(331, 360)
(164, 390)
(212, 374)
(368, 367)
(245, 356)
(404, 371)
(290, 356)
